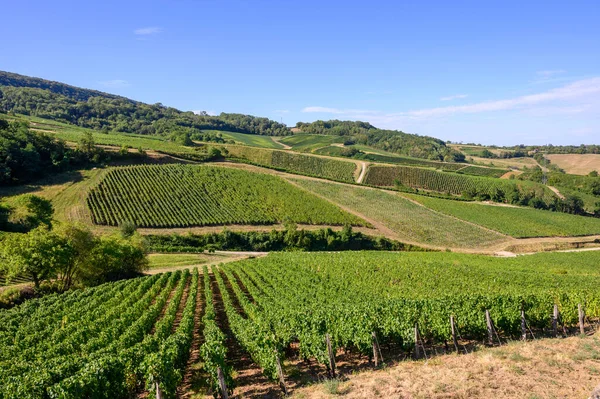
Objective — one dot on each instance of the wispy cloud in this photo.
(550, 73)
(551, 76)
(576, 97)
(282, 111)
(115, 83)
(454, 97)
(150, 30)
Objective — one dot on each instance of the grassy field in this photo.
(73, 134)
(310, 142)
(163, 261)
(179, 195)
(516, 222)
(577, 164)
(409, 221)
(253, 140)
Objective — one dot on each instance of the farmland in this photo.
(446, 182)
(190, 195)
(297, 163)
(253, 140)
(310, 142)
(513, 221)
(125, 337)
(408, 221)
(577, 164)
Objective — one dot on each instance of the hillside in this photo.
(394, 141)
(107, 112)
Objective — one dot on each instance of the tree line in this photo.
(290, 239)
(357, 132)
(106, 112)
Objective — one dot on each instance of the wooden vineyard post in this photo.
(417, 349)
(281, 378)
(555, 321)
(331, 355)
(490, 328)
(158, 392)
(377, 357)
(523, 326)
(581, 326)
(453, 329)
(224, 393)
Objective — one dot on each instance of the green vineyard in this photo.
(432, 287)
(296, 163)
(452, 183)
(122, 338)
(479, 171)
(188, 195)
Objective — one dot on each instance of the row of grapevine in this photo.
(318, 296)
(296, 163)
(479, 171)
(452, 183)
(108, 341)
(178, 195)
(213, 351)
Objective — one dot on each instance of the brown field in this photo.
(577, 164)
(547, 368)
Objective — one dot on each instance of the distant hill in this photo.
(107, 112)
(356, 132)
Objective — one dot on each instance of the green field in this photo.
(253, 140)
(179, 195)
(515, 222)
(74, 134)
(447, 182)
(296, 163)
(411, 222)
(310, 142)
(161, 261)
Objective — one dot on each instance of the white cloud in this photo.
(282, 111)
(577, 97)
(151, 30)
(576, 89)
(454, 97)
(115, 83)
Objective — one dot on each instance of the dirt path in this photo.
(363, 172)
(556, 192)
(192, 376)
(278, 141)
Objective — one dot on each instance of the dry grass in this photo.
(550, 368)
(518, 163)
(577, 164)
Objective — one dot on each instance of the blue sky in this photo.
(482, 71)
